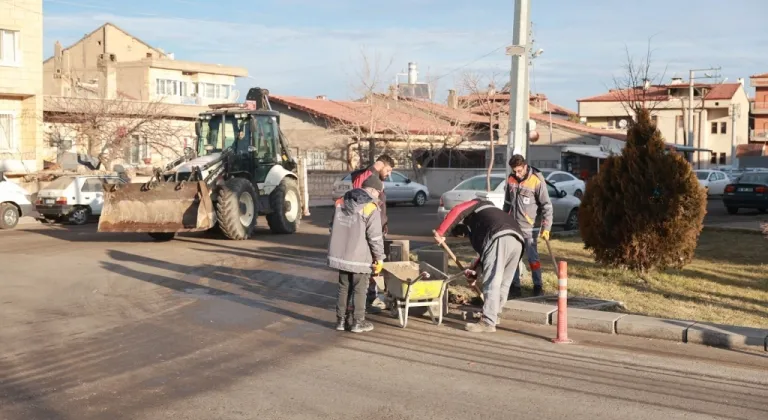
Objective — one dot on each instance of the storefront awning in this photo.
(593, 152)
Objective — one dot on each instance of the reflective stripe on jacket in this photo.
(356, 238)
(527, 199)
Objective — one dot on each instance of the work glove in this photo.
(545, 235)
(377, 267)
(471, 275)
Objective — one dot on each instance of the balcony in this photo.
(758, 135)
(759, 107)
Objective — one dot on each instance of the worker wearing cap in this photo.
(526, 198)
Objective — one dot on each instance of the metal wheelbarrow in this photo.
(415, 285)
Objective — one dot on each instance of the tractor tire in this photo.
(237, 209)
(162, 236)
(285, 203)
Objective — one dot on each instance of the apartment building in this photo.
(109, 62)
(720, 116)
(21, 85)
(759, 108)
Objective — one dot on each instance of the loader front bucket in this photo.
(159, 207)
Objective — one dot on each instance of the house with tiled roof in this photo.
(720, 115)
(342, 135)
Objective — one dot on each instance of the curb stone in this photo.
(658, 328)
(591, 320)
(535, 313)
(716, 335)
(727, 336)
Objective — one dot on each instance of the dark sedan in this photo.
(751, 192)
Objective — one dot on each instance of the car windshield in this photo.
(60, 183)
(478, 183)
(759, 178)
(546, 173)
(702, 175)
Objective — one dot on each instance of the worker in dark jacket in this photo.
(526, 198)
(497, 239)
(356, 249)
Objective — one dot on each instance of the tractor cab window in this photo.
(243, 135)
(218, 133)
(265, 138)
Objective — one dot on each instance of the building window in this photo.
(722, 158)
(679, 121)
(7, 132)
(723, 128)
(137, 151)
(315, 160)
(655, 119)
(714, 128)
(10, 51)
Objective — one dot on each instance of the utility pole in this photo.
(519, 90)
(691, 78)
(735, 112)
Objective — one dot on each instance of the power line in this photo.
(470, 63)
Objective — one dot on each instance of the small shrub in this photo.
(644, 209)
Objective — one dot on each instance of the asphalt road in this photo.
(114, 326)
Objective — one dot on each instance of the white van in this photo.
(74, 198)
(15, 202)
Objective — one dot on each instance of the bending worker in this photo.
(495, 236)
(526, 198)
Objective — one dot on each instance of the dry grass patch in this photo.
(727, 282)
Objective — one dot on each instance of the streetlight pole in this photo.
(691, 78)
(519, 91)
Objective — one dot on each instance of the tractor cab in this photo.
(253, 136)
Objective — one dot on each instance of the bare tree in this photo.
(483, 96)
(108, 129)
(638, 87)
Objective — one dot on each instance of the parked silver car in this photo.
(566, 207)
(397, 187)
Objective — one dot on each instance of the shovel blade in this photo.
(161, 207)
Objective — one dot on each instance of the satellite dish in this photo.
(623, 123)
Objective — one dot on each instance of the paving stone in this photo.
(587, 319)
(528, 312)
(727, 336)
(649, 327)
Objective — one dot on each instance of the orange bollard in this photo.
(562, 304)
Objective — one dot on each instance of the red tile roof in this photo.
(386, 120)
(569, 125)
(759, 76)
(661, 93)
(752, 149)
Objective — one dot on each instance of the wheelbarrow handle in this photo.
(459, 264)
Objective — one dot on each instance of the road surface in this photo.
(114, 326)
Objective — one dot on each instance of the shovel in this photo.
(458, 264)
(554, 261)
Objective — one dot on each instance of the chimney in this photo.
(453, 100)
(646, 84)
(107, 79)
(322, 97)
(491, 89)
(412, 73)
(741, 81)
(676, 81)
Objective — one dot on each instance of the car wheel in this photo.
(9, 216)
(578, 194)
(572, 222)
(79, 216)
(420, 199)
(732, 210)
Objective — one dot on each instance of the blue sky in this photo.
(314, 47)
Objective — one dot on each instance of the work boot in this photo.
(538, 290)
(341, 324)
(361, 326)
(482, 326)
(515, 292)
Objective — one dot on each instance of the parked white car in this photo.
(15, 202)
(74, 198)
(566, 207)
(397, 187)
(713, 181)
(565, 181)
